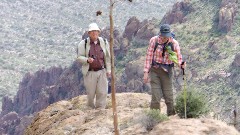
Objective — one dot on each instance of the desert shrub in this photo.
(152, 117)
(196, 104)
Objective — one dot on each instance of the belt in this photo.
(160, 64)
(95, 69)
(165, 67)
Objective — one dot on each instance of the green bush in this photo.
(152, 117)
(196, 104)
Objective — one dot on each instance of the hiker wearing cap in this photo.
(94, 55)
(163, 52)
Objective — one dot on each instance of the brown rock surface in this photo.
(131, 28)
(194, 127)
(73, 117)
(178, 12)
(147, 30)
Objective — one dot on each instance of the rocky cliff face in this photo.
(140, 32)
(178, 12)
(31, 97)
(36, 92)
(227, 14)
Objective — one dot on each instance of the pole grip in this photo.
(183, 70)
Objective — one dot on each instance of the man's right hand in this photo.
(146, 78)
(90, 60)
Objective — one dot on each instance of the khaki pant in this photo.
(96, 84)
(161, 86)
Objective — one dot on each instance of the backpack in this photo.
(164, 49)
(163, 54)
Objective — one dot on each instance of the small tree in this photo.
(196, 104)
(112, 2)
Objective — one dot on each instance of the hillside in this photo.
(73, 117)
(211, 52)
(38, 34)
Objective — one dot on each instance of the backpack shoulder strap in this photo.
(85, 47)
(102, 39)
(155, 48)
(156, 45)
(105, 40)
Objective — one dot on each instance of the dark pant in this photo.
(161, 86)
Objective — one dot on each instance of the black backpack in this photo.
(164, 49)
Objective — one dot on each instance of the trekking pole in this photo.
(184, 92)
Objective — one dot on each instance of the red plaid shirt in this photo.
(158, 53)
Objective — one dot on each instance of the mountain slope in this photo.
(211, 53)
(43, 33)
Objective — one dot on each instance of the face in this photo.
(93, 35)
(164, 39)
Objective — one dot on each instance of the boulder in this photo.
(131, 28)
(178, 12)
(8, 123)
(227, 14)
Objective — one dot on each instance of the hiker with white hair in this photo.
(94, 55)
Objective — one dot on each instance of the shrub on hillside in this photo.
(152, 117)
(197, 104)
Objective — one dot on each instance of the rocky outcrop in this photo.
(131, 28)
(73, 117)
(7, 105)
(193, 127)
(139, 32)
(24, 122)
(8, 123)
(178, 12)
(69, 84)
(227, 14)
(147, 29)
(28, 98)
(36, 92)
(117, 38)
